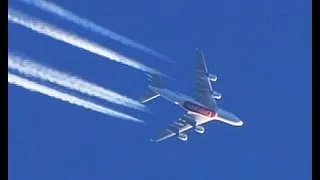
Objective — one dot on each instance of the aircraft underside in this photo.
(201, 108)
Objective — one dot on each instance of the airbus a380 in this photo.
(200, 109)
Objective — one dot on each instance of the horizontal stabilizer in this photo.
(149, 96)
(155, 81)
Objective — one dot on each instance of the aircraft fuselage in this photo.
(192, 106)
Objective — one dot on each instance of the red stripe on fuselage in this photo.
(199, 109)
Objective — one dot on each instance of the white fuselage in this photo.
(193, 107)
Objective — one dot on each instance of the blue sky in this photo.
(260, 50)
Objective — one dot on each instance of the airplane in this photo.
(200, 109)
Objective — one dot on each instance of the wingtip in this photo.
(154, 140)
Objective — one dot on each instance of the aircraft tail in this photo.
(154, 81)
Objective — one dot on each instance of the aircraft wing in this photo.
(181, 125)
(203, 84)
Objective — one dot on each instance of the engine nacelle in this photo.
(216, 95)
(199, 129)
(183, 137)
(212, 77)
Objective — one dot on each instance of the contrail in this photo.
(38, 26)
(88, 24)
(33, 86)
(30, 68)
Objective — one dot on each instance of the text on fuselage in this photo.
(199, 109)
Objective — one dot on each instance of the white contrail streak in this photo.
(33, 86)
(88, 24)
(30, 68)
(38, 26)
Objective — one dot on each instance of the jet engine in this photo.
(199, 129)
(216, 95)
(212, 77)
(183, 137)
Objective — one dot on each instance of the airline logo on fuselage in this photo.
(199, 109)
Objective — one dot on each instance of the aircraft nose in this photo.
(240, 123)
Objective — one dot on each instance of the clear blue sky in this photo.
(260, 50)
